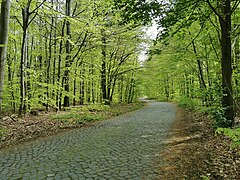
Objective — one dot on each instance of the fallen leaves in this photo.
(194, 152)
(14, 130)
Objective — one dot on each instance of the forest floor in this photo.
(193, 151)
(15, 130)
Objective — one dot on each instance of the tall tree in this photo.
(68, 57)
(4, 25)
(224, 16)
(28, 16)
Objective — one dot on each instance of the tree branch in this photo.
(128, 70)
(38, 7)
(237, 2)
(215, 11)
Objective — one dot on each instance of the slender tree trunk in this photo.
(113, 89)
(25, 17)
(167, 88)
(66, 86)
(48, 63)
(93, 86)
(120, 90)
(200, 70)
(103, 70)
(59, 92)
(4, 25)
(82, 86)
(10, 81)
(74, 86)
(28, 67)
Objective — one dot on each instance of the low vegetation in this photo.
(47, 123)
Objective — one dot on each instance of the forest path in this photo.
(125, 147)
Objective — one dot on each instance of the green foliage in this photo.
(94, 112)
(138, 11)
(2, 132)
(90, 108)
(92, 117)
(75, 118)
(234, 134)
(187, 103)
(218, 115)
(47, 65)
(204, 177)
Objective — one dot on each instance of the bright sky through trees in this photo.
(151, 33)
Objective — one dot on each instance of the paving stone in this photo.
(120, 148)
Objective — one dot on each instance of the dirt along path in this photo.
(125, 147)
(194, 152)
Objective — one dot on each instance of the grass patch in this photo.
(74, 118)
(95, 112)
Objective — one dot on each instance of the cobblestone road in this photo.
(125, 147)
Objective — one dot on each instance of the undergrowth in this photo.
(188, 103)
(234, 134)
(94, 112)
(216, 112)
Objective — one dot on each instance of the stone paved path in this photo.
(125, 147)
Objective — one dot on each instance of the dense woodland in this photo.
(63, 53)
(197, 58)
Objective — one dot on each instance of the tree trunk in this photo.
(25, 18)
(103, 70)
(200, 70)
(93, 86)
(75, 87)
(82, 86)
(227, 98)
(66, 101)
(4, 25)
(59, 91)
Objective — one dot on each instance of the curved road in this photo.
(125, 147)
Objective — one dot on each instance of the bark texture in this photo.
(4, 26)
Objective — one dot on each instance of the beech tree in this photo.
(4, 25)
(224, 15)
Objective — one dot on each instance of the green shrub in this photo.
(234, 134)
(187, 103)
(217, 113)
